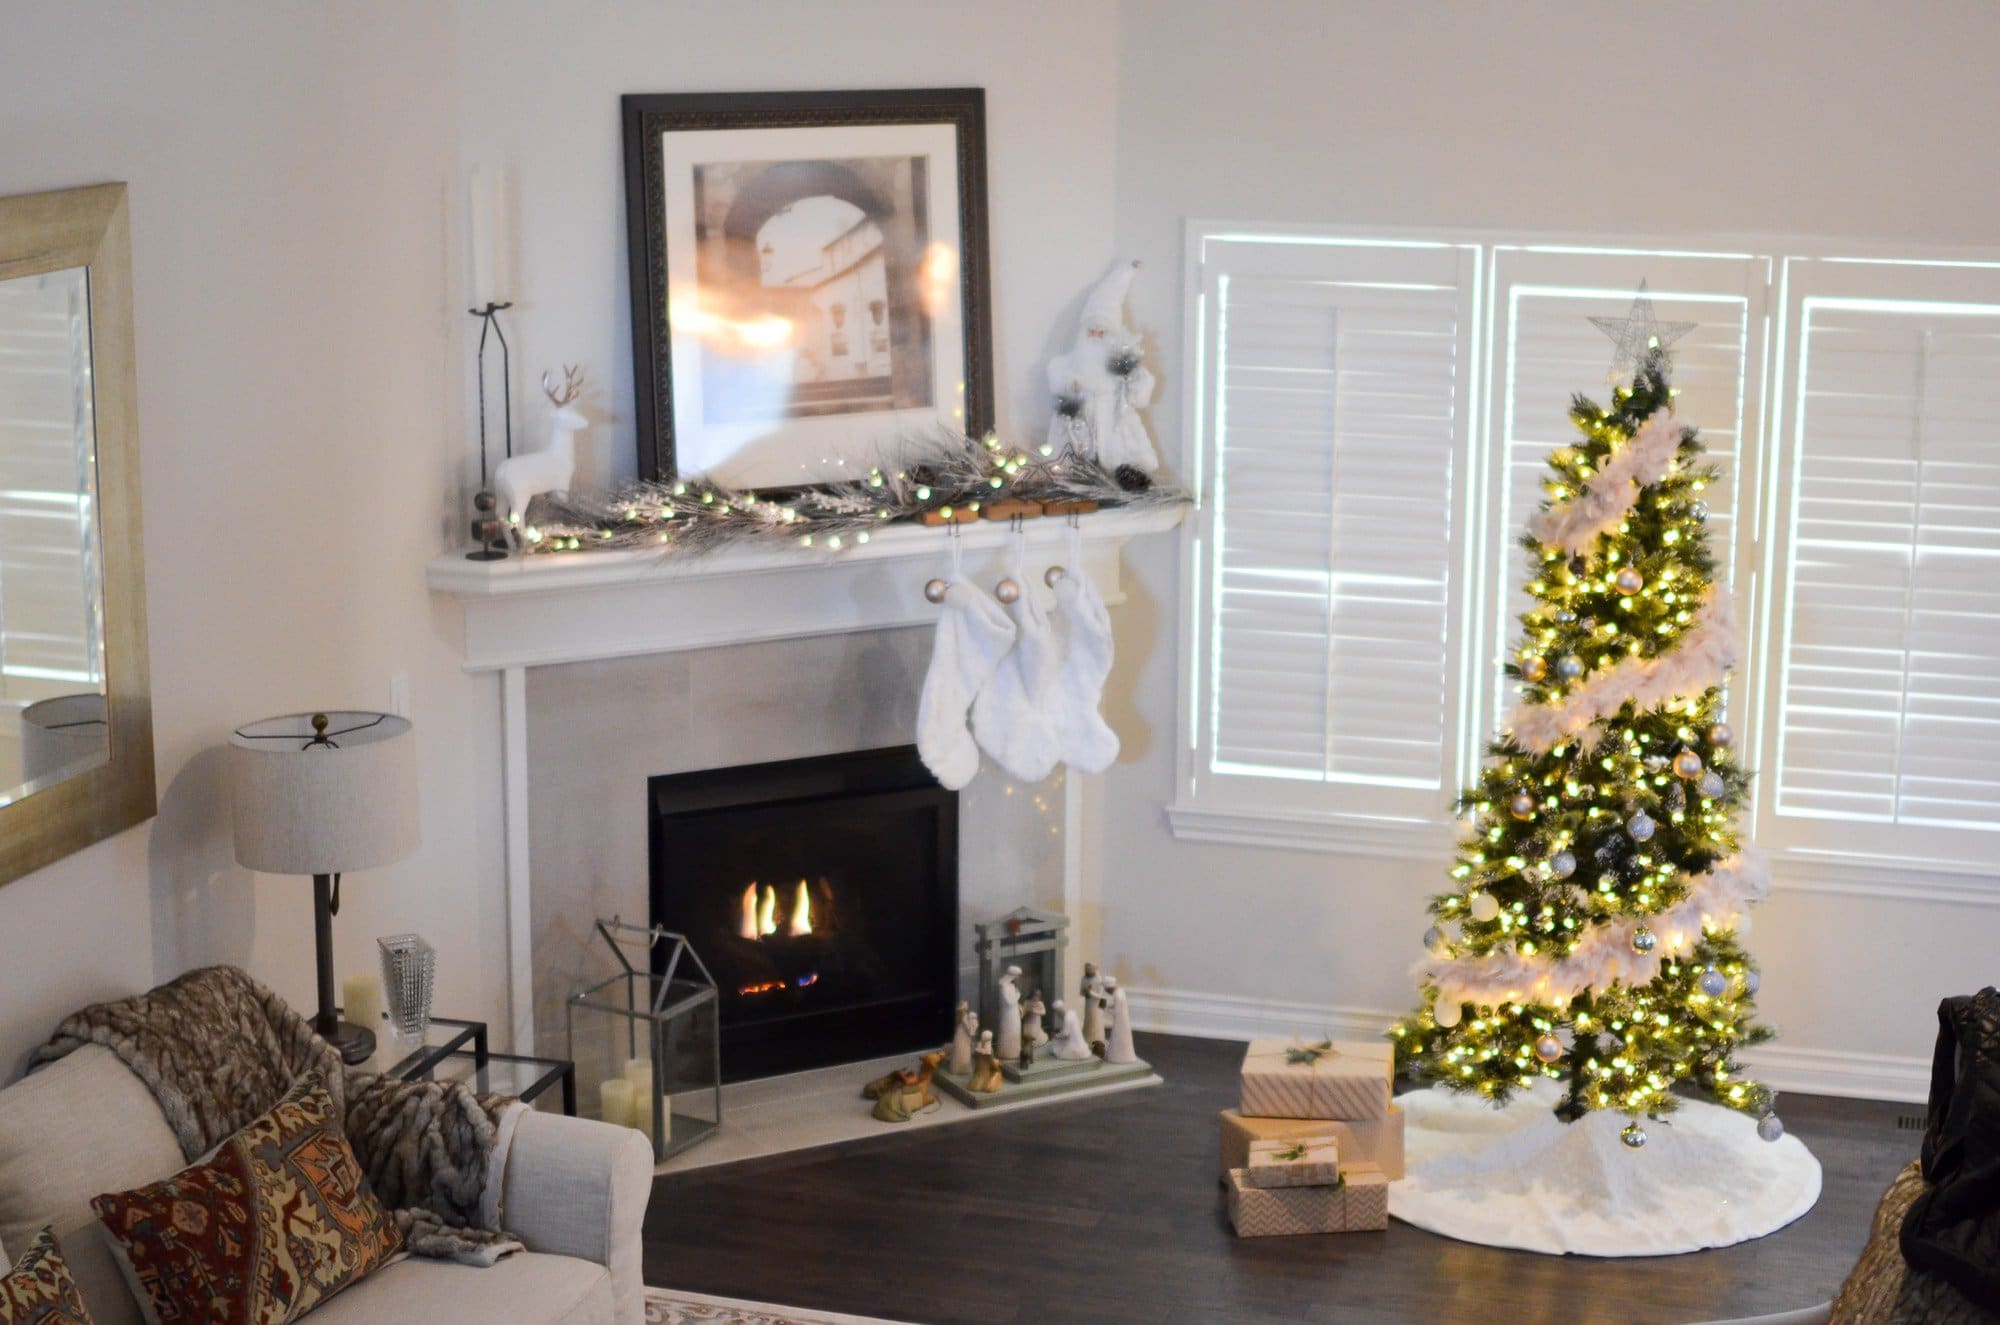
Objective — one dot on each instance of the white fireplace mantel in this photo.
(557, 608)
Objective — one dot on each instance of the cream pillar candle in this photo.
(642, 1114)
(361, 1001)
(639, 1071)
(614, 1099)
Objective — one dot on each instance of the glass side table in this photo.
(455, 1050)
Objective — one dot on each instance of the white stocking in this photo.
(1086, 742)
(973, 636)
(1011, 716)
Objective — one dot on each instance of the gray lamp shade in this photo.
(302, 807)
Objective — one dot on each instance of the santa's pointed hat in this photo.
(1104, 310)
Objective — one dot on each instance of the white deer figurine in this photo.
(520, 479)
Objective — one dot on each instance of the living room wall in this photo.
(1784, 118)
(297, 178)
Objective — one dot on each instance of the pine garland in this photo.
(947, 473)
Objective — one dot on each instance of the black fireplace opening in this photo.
(823, 896)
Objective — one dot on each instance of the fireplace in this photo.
(823, 896)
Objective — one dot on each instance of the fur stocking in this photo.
(1012, 716)
(973, 637)
(1087, 743)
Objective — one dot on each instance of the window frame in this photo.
(1312, 816)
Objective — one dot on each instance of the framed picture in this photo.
(809, 279)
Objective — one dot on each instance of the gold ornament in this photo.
(1687, 764)
(1630, 580)
(1534, 670)
(1007, 591)
(1548, 1049)
(1522, 806)
(934, 590)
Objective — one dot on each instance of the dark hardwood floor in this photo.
(1108, 1210)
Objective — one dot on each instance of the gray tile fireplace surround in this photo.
(597, 730)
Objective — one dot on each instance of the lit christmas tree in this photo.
(1593, 934)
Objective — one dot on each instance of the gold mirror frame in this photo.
(43, 232)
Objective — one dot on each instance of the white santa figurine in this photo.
(1102, 384)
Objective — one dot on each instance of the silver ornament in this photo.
(1711, 785)
(1534, 670)
(1713, 982)
(1007, 591)
(1433, 938)
(1564, 616)
(1588, 623)
(1641, 827)
(934, 590)
(1548, 1048)
(1485, 907)
(1687, 764)
(1522, 806)
(1750, 978)
(1052, 574)
(1629, 580)
(1720, 736)
(1643, 940)
(1562, 864)
(1569, 667)
(1770, 1127)
(1446, 1014)
(1699, 511)
(1633, 1136)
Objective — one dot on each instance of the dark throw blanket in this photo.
(217, 1050)
(1953, 1229)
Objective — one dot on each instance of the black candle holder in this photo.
(488, 529)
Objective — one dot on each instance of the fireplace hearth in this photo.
(823, 895)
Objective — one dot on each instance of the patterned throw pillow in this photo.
(38, 1290)
(275, 1222)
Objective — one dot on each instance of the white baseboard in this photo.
(1783, 1067)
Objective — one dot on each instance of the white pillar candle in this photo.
(614, 1101)
(639, 1071)
(642, 1114)
(361, 1001)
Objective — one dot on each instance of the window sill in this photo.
(1349, 835)
(1905, 878)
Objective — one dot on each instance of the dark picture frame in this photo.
(914, 351)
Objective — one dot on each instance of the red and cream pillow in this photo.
(276, 1221)
(38, 1289)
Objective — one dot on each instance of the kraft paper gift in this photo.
(1360, 1203)
(1310, 1161)
(1340, 1079)
(1377, 1141)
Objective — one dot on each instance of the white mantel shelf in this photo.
(568, 607)
(551, 608)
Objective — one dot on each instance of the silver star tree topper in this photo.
(1637, 335)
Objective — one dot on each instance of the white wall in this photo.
(297, 180)
(1783, 118)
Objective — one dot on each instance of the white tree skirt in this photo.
(1521, 1177)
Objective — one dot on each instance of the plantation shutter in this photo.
(1548, 351)
(49, 639)
(1338, 379)
(1891, 608)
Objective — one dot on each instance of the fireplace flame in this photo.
(747, 926)
(767, 912)
(802, 912)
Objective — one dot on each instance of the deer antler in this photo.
(572, 386)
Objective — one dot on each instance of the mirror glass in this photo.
(52, 681)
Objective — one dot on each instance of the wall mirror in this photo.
(76, 743)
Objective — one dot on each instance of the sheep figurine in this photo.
(522, 478)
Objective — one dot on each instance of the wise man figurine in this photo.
(965, 1028)
(1102, 383)
(1093, 1005)
(1118, 1048)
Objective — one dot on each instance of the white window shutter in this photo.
(1339, 394)
(1888, 723)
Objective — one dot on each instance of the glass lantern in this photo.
(647, 1042)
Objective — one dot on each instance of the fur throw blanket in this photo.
(217, 1050)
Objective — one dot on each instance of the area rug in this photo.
(664, 1307)
(1519, 1177)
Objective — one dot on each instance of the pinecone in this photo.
(1133, 479)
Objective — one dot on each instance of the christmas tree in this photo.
(1592, 936)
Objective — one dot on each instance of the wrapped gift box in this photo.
(1342, 1079)
(1358, 1204)
(1377, 1141)
(1310, 1161)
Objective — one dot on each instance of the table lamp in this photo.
(323, 794)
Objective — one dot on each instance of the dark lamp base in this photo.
(356, 1044)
